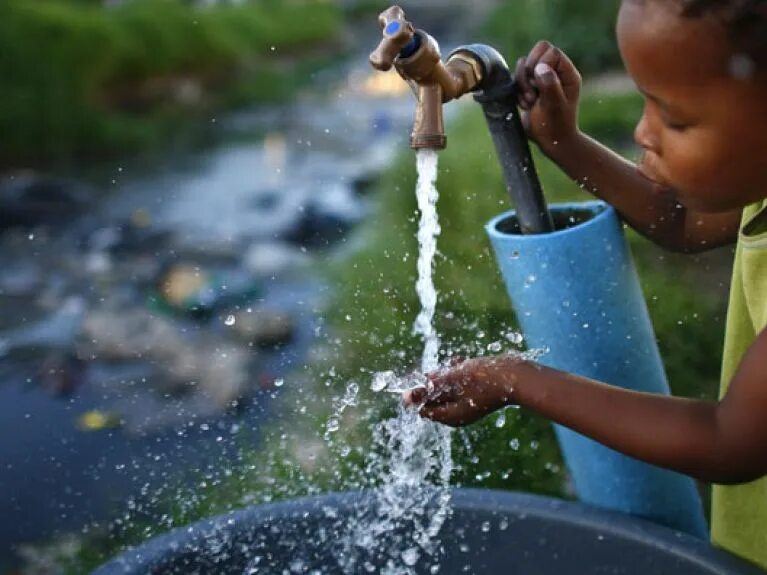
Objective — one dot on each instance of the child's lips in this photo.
(659, 186)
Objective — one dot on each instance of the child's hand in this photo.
(468, 391)
(548, 87)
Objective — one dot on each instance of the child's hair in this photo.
(745, 20)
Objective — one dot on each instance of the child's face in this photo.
(704, 127)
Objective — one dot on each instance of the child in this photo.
(701, 183)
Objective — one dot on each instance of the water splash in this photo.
(390, 382)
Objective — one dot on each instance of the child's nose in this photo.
(645, 135)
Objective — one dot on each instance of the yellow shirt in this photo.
(739, 512)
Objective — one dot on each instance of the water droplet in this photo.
(410, 556)
(485, 526)
(515, 255)
(501, 421)
(495, 347)
(381, 380)
(230, 320)
(515, 337)
(503, 525)
(514, 444)
(279, 382)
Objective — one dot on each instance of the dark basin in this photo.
(488, 532)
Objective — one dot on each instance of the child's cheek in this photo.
(693, 166)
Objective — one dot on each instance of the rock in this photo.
(21, 279)
(61, 373)
(133, 236)
(128, 334)
(267, 260)
(56, 332)
(317, 228)
(204, 364)
(264, 328)
(267, 200)
(31, 200)
(364, 183)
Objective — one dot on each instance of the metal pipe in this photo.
(497, 96)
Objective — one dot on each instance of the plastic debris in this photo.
(96, 420)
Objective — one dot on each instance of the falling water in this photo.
(413, 501)
(428, 230)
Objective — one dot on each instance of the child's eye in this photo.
(676, 125)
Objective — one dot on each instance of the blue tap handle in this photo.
(399, 39)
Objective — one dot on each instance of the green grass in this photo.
(79, 80)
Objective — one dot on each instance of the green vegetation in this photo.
(80, 80)
(586, 34)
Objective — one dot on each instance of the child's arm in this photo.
(549, 88)
(724, 442)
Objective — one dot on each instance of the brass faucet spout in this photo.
(429, 125)
(416, 57)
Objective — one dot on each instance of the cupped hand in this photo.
(467, 391)
(548, 90)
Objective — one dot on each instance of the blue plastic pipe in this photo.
(575, 292)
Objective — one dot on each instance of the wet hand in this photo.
(548, 89)
(468, 391)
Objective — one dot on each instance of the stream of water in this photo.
(413, 460)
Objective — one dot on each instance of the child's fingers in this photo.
(567, 74)
(526, 121)
(536, 54)
(526, 93)
(415, 396)
(552, 95)
(439, 393)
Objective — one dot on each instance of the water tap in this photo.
(474, 68)
(416, 57)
